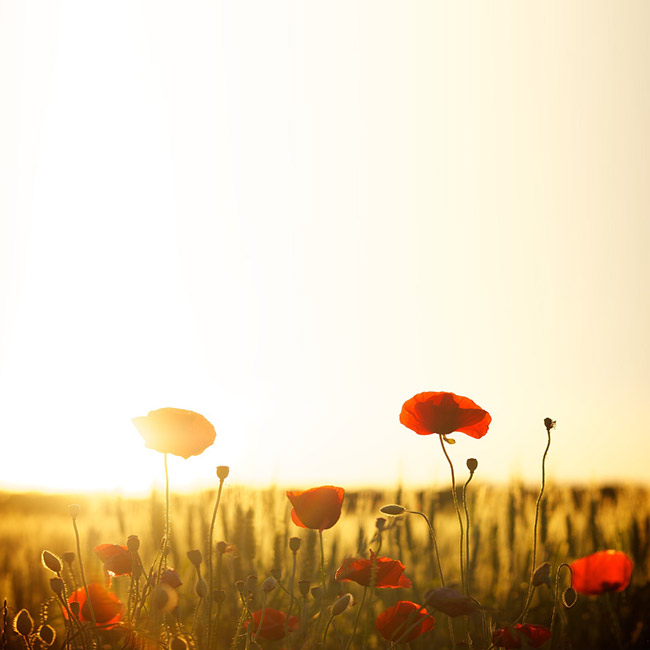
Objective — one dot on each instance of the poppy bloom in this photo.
(388, 573)
(175, 431)
(444, 413)
(108, 609)
(600, 572)
(117, 559)
(404, 622)
(318, 508)
(534, 636)
(273, 624)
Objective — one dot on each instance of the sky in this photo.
(293, 216)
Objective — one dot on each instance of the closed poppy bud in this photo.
(68, 557)
(179, 643)
(294, 544)
(303, 587)
(269, 584)
(472, 464)
(222, 472)
(341, 604)
(74, 509)
(57, 586)
(47, 635)
(195, 557)
(23, 623)
(542, 575)
(549, 424)
(380, 523)
(393, 510)
(251, 583)
(222, 547)
(51, 562)
(133, 543)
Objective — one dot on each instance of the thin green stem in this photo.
(432, 535)
(467, 529)
(163, 561)
(358, 616)
(83, 575)
(209, 559)
(259, 627)
(322, 563)
(529, 597)
(291, 597)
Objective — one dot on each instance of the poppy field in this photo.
(467, 566)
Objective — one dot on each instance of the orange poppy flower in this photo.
(404, 622)
(175, 431)
(318, 508)
(388, 573)
(444, 413)
(272, 625)
(600, 572)
(534, 636)
(107, 607)
(116, 559)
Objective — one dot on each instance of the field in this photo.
(256, 525)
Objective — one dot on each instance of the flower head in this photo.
(444, 413)
(600, 572)
(388, 573)
(175, 431)
(404, 622)
(117, 559)
(108, 609)
(318, 508)
(533, 636)
(273, 624)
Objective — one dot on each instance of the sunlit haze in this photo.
(293, 216)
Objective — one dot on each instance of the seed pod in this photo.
(23, 623)
(341, 604)
(393, 510)
(222, 472)
(195, 557)
(380, 523)
(51, 562)
(57, 586)
(294, 544)
(303, 587)
(549, 424)
(269, 584)
(74, 509)
(472, 464)
(133, 543)
(46, 634)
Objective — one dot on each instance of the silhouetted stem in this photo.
(467, 528)
(209, 558)
(358, 616)
(615, 623)
(163, 561)
(83, 575)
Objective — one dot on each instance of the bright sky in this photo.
(292, 216)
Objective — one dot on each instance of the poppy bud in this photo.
(201, 588)
(75, 608)
(179, 643)
(222, 472)
(269, 584)
(46, 634)
(23, 623)
(251, 584)
(171, 578)
(393, 510)
(51, 562)
(380, 523)
(133, 543)
(222, 547)
(276, 573)
(294, 544)
(317, 592)
(549, 424)
(542, 575)
(341, 604)
(472, 464)
(303, 587)
(74, 509)
(195, 557)
(569, 597)
(57, 586)
(68, 557)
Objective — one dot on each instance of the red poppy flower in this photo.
(444, 413)
(175, 431)
(116, 559)
(318, 508)
(534, 636)
(272, 625)
(388, 573)
(108, 609)
(600, 572)
(404, 622)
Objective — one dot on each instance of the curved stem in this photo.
(524, 613)
(432, 535)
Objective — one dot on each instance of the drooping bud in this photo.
(542, 575)
(549, 424)
(133, 543)
(303, 587)
(269, 584)
(222, 472)
(57, 586)
(393, 510)
(472, 464)
(341, 604)
(74, 510)
(51, 562)
(46, 634)
(23, 623)
(294, 544)
(195, 557)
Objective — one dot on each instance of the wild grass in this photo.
(573, 522)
